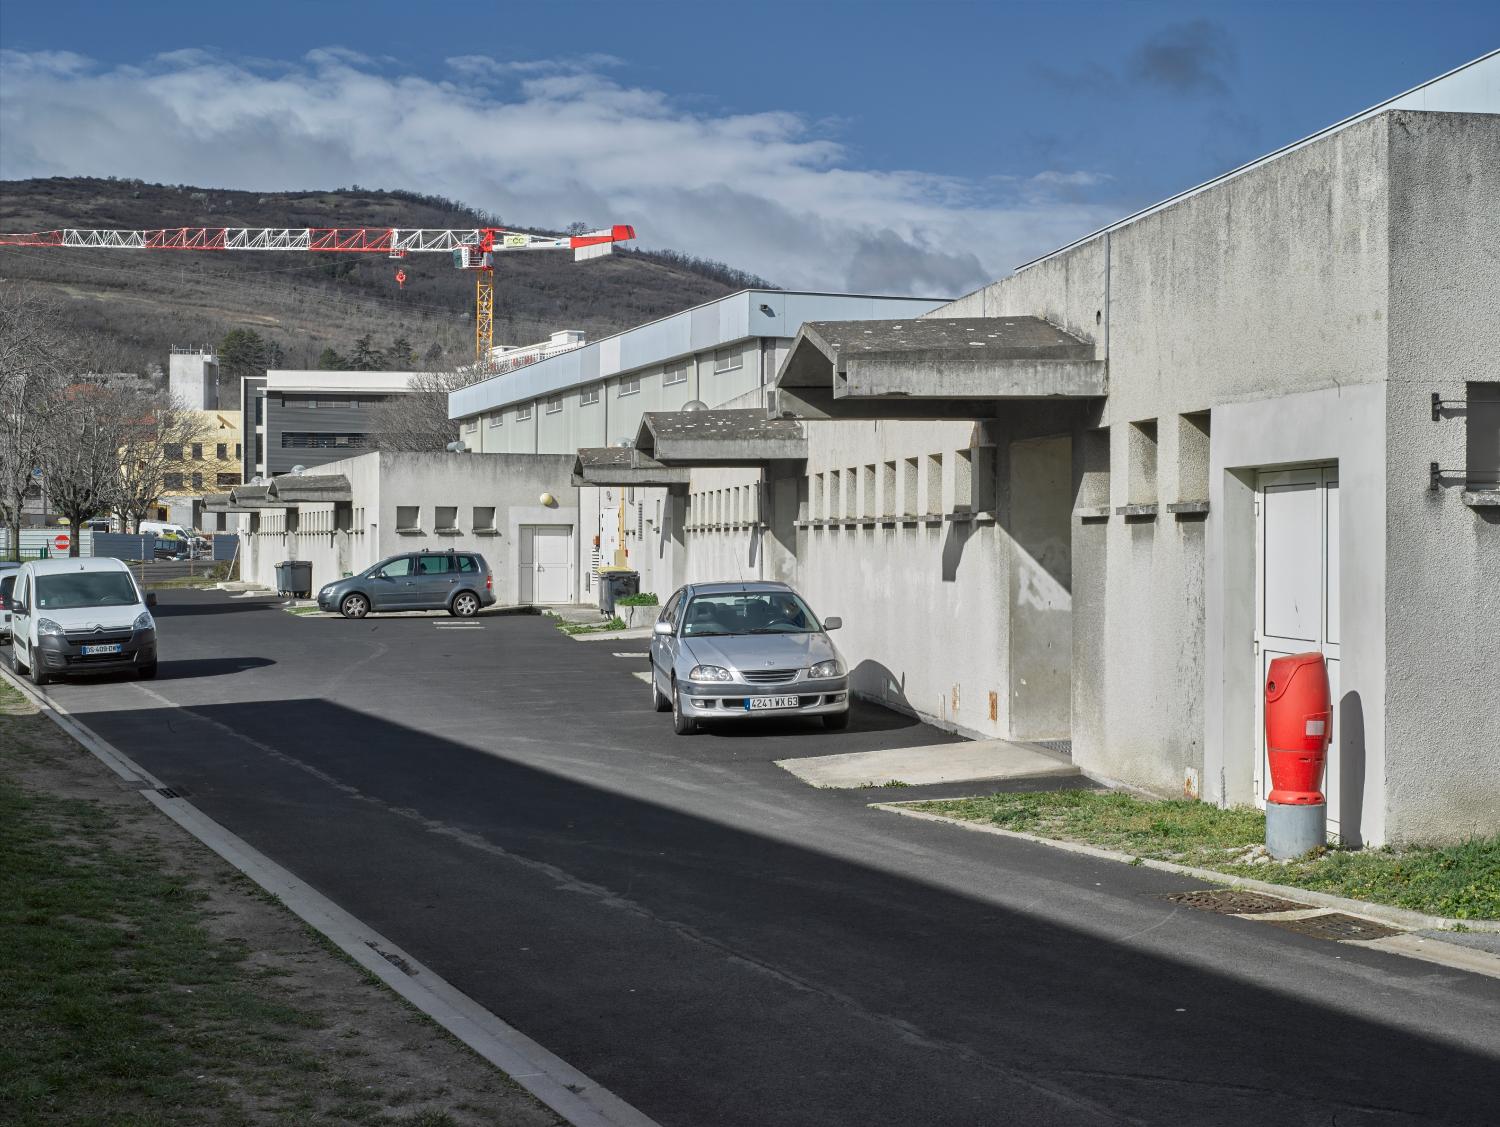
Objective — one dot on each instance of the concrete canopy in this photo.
(622, 465)
(720, 438)
(294, 488)
(932, 368)
(251, 499)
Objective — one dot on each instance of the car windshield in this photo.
(85, 589)
(753, 612)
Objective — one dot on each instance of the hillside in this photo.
(136, 304)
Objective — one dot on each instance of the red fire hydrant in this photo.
(1299, 724)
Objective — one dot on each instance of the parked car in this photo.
(8, 570)
(458, 582)
(732, 651)
(80, 616)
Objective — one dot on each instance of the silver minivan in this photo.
(80, 616)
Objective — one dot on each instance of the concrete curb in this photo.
(554, 1082)
(1380, 913)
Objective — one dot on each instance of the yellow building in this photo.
(208, 464)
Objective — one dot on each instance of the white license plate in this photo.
(114, 648)
(755, 704)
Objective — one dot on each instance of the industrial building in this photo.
(1086, 505)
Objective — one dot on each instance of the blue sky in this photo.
(894, 146)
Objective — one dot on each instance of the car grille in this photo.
(89, 638)
(769, 676)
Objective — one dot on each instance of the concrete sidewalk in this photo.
(974, 760)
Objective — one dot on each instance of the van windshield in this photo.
(85, 589)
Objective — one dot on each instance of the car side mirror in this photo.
(150, 598)
(17, 607)
(662, 628)
(832, 623)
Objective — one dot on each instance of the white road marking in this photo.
(646, 677)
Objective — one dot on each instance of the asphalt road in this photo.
(721, 944)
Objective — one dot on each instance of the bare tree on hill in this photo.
(419, 419)
(35, 352)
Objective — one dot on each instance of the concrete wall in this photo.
(1442, 601)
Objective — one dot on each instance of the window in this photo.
(727, 360)
(221, 451)
(471, 425)
(1192, 456)
(467, 565)
(197, 451)
(1140, 477)
(227, 479)
(237, 454)
(407, 517)
(676, 373)
(173, 451)
(1482, 437)
(434, 565)
(630, 386)
(523, 413)
(303, 440)
(260, 409)
(447, 517)
(497, 418)
(171, 481)
(260, 452)
(588, 396)
(554, 405)
(197, 481)
(484, 518)
(398, 568)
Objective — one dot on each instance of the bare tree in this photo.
(418, 419)
(154, 430)
(81, 455)
(35, 352)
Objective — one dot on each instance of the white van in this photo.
(158, 528)
(80, 616)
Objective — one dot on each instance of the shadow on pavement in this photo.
(712, 975)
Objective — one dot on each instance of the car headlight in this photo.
(47, 626)
(709, 673)
(143, 621)
(833, 667)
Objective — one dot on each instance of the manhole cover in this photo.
(1232, 901)
(1336, 925)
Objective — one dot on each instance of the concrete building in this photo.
(1087, 505)
(519, 511)
(311, 418)
(209, 464)
(193, 378)
(594, 396)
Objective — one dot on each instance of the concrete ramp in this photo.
(935, 763)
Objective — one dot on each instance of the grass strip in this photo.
(1459, 881)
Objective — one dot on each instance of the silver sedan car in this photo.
(732, 651)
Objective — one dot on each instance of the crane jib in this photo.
(347, 240)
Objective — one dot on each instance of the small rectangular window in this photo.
(934, 484)
(435, 564)
(523, 413)
(221, 451)
(1140, 473)
(1482, 435)
(497, 418)
(471, 425)
(447, 517)
(228, 479)
(197, 451)
(484, 518)
(630, 386)
(173, 451)
(554, 405)
(408, 517)
(197, 481)
(171, 481)
(727, 360)
(588, 396)
(676, 373)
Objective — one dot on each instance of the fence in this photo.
(36, 542)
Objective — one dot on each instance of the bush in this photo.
(644, 599)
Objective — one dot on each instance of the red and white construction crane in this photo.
(472, 248)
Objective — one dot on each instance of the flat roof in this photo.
(746, 315)
(293, 379)
(1473, 87)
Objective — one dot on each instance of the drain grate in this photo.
(171, 792)
(1337, 926)
(1060, 747)
(1232, 901)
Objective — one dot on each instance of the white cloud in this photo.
(553, 142)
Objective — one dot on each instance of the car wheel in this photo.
(465, 605)
(147, 672)
(354, 606)
(681, 724)
(38, 674)
(658, 702)
(15, 657)
(836, 721)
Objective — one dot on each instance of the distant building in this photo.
(193, 378)
(209, 465)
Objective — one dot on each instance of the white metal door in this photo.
(1297, 595)
(546, 563)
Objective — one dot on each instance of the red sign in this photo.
(61, 541)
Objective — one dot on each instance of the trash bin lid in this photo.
(616, 569)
